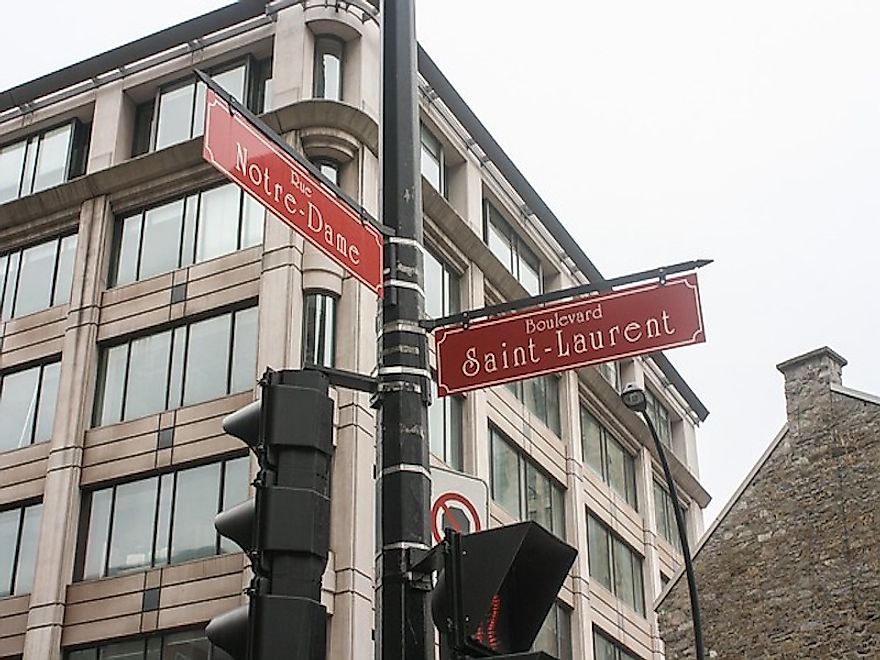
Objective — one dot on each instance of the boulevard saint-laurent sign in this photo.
(285, 187)
(568, 335)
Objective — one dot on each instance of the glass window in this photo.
(319, 329)
(329, 169)
(615, 565)
(664, 514)
(541, 396)
(193, 229)
(522, 489)
(185, 645)
(511, 251)
(659, 416)
(19, 531)
(37, 277)
(607, 457)
(442, 296)
(27, 405)
(610, 371)
(555, 634)
(131, 526)
(432, 160)
(328, 68)
(187, 365)
(444, 428)
(605, 648)
(41, 161)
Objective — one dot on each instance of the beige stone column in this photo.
(61, 498)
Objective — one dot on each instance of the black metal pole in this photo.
(682, 534)
(403, 482)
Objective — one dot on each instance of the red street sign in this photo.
(569, 335)
(240, 150)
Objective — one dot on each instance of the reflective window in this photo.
(541, 396)
(610, 372)
(190, 364)
(605, 648)
(523, 489)
(554, 637)
(193, 229)
(327, 82)
(19, 531)
(659, 417)
(37, 277)
(329, 169)
(511, 251)
(27, 405)
(615, 565)
(42, 161)
(444, 428)
(159, 520)
(432, 160)
(608, 458)
(664, 514)
(186, 645)
(319, 329)
(442, 296)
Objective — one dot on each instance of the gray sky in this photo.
(743, 132)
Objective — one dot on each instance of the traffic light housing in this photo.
(496, 588)
(285, 528)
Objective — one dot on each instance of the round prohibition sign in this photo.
(446, 507)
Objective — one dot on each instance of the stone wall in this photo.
(792, 569)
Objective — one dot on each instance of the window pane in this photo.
(112, 385)
(320, 332)
(190, 645)
(195, 505)
(432, 160)
(52, 158)
(599, 556)
(199, 111)
(131, 650)
(539, 498)
(48, 398)
(64, 272)
(454, 440)
(505, 475)
(638, 584)
(35, 278)
(624, 587)
(163, 520)
(127, 251)
(9, 533)
(529, 271)
(207, 360)
(437, 424)
(498, 241)
(18, 403)
(328, 68)
(244, 350)
(147, 375)
(217, 232)
(27, 553)
(4, 262)
(547, 640)
(161, 243)
(434, 307)
(591, 440)
(178, 354)
(96, 541)
(252, 217)
(235, 490)
(233, 81)
(11, 284)
(175, 116)
(133, 520)
(602, 648)
(616, 468)
(30, 160)
(11, 163)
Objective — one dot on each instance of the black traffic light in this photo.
(285, 528)
(496, 588)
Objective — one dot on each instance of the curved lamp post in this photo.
(634, 398)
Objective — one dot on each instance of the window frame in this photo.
(22, 508)
(620, 652)
(9, 303)
(320, 43)
(320, 312)
(613, 544)
(525, 467)
(38, 400)
(450, 284)
(172, 477)
(551, 417)
(452, 426)
(74, 159)
(606, 437)
(660, 417)
(667, 528)
(176, 363)
(519, 250)
(439, 158)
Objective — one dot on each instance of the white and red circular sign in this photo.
(454, 510)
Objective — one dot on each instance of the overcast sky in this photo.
(747, 133)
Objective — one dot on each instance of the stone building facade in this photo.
(142, 294)
(791, 568)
